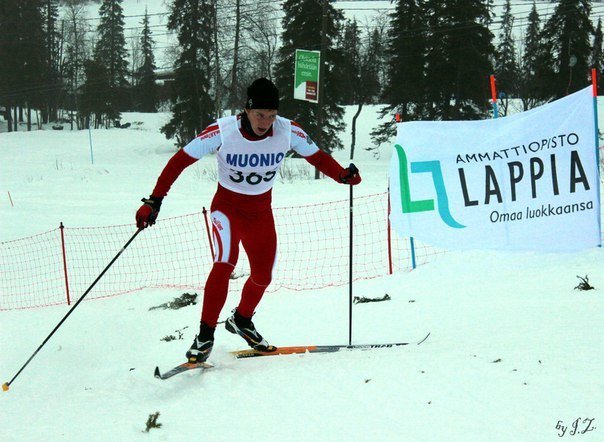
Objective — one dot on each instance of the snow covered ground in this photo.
(515, 352)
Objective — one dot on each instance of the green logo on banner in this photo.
(410, 206)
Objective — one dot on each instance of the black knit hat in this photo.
(262, 94)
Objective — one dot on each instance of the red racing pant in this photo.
(246, 220)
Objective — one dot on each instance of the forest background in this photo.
(74, 63)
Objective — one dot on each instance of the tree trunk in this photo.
(58, 96)
(321, 82)
(233, 98)
(9, 118)
(354, 129)
(81, 123)
(28, 118)
(217, 82)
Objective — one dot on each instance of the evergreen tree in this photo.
(10, 59)
(439, 67)
(93, 100)
(405, 52)
(360, 76)
(110, 51)
(377, 56)
(31, 56)
(458, 63)
(567, 35)
(23, 61)
(506, 64)
(530, 69)
(546, 67)
(302, 25)
(192, 106)
(370, 69)
(145, 99)
(52, 72)
(351, 51)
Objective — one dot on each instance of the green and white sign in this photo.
(306, 77)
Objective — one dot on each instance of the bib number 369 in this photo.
(252, 178)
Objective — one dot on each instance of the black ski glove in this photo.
(350, 175)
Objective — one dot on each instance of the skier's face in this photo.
(261, 119)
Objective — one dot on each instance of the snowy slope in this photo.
(514, 348)
(94, 379)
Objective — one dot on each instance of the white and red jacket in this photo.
(247, 164)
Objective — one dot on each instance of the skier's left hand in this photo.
(350, 175)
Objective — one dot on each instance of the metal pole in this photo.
(350, 272)
(6, 385)
(90, 142)
(353, 170)
(389, 234)
(62, 228)
(494, 97)
(594, 85)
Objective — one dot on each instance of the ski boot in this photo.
(245, 328)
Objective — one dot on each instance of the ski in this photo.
(251, 353)
(186, 366)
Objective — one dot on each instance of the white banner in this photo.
(529, 181)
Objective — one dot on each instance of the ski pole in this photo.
(353, 170)
(6, 385)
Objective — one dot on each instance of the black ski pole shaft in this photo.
(353, 170)
(6, 385)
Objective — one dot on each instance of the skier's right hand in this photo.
(147, 213)
(350, 175)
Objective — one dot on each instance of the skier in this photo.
(250, 149)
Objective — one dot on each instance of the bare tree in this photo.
(364, 63)
(77, 50)
(261, 35)
(136, 54)
(233, 89)
(246, 46)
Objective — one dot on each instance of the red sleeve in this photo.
(179, 162)
(326, 164)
